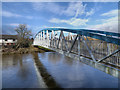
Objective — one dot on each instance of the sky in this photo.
(78, 15)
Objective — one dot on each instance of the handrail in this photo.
(90, 33)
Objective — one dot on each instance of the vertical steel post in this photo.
(59, 39)
(39, 39)
(43, 37)
(69, 37)
(62, 40)
(66, 46)
(47, 41)
(40, 36)
(79, 47)
(55, 39)
(52, 38)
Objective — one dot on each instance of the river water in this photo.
(20, 71)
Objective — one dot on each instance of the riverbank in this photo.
(31, 49)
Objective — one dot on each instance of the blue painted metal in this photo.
(90, 33)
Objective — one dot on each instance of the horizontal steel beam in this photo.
(109, 55)
(90, 33)
(104, 38)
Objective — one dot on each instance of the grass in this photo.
(44, 49)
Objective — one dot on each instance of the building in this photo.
(8, 40)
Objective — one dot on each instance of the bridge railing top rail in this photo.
(101, 35)
(85, 30)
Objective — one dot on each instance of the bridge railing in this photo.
(99, 46)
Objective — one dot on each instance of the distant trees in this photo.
(24, 36)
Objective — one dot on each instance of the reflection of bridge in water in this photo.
(99, 49)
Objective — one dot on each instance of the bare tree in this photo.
(23, 35)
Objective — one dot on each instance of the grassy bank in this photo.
(44, 49)
(30, 49)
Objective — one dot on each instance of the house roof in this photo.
(8, 36)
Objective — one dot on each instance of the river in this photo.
(20, 71)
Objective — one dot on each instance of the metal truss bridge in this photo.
(93, 47)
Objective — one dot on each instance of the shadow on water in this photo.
(71, 73)
(49, 80)
(54, 58)
(57, 71)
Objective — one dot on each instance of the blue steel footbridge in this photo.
(99, 49)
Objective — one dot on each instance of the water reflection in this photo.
(54, 58)
(18, 71)
(67, 60)
(70, 73)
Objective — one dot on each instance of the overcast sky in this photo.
(87, 15)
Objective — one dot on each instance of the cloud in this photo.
(29, 17)
(110, 13)
(73, 8)
(13, 24)
(48, 6)
(10, 14)
(91, 12)
(16, 25)
(72, 21)
(60, 0)
(55, 8)
(110, 25)
(8, 30)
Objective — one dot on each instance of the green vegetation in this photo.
(45, 49)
